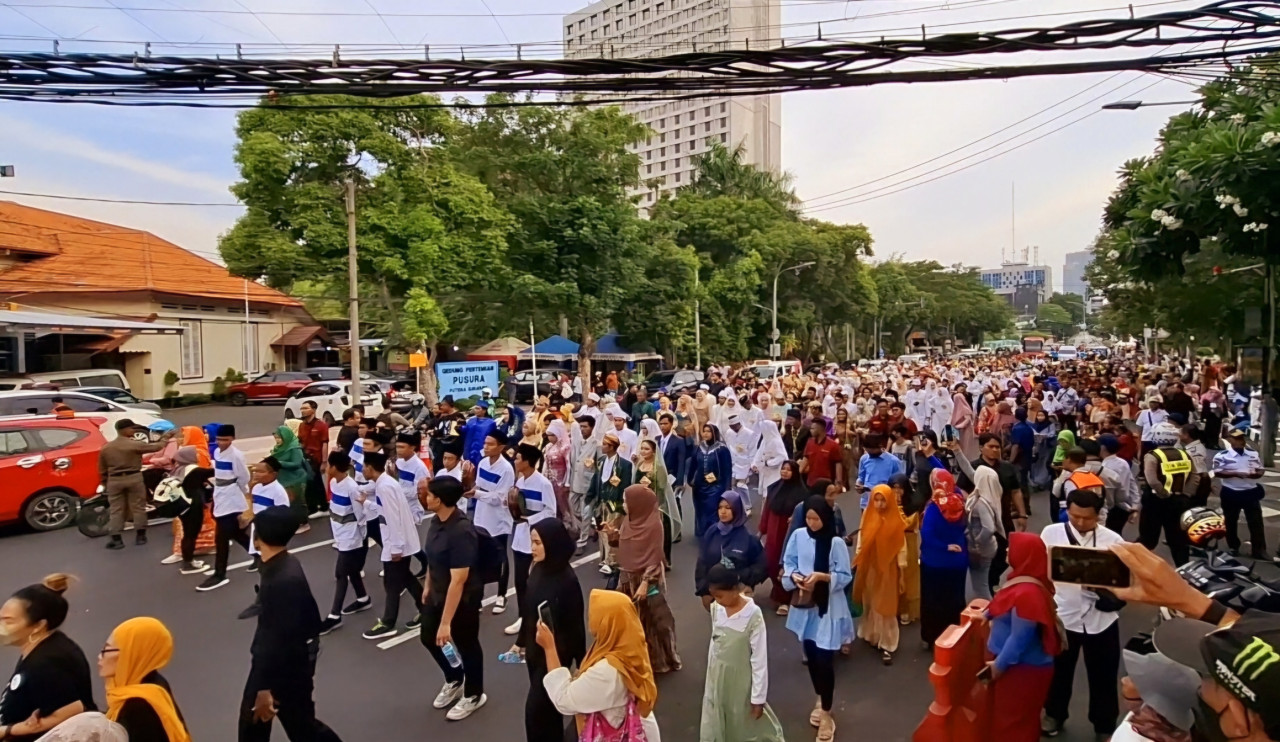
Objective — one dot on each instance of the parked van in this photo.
(66, 379)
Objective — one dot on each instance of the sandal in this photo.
(815, 716)
(886, 658)
(826, 727)
(784, 610)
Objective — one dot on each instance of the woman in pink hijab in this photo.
(962, 419)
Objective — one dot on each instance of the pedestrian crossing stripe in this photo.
(1269, 512)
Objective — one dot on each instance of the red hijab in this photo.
(1028, 557)
(945, 495)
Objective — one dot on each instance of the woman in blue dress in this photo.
(710, 474)
(816, 566)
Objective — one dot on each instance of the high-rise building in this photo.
(683, 129)
(1073, 281)
(1024, 286)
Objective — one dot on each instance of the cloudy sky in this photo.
(928, 168)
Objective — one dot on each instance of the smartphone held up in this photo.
(1079, 565)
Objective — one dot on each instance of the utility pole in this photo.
(353, 293)
(533, 354)
(1268, 442)
(775, 349)
(697, 322)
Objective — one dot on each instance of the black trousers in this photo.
(397, 578)
(999, 563)
(822, 672)
(347, 570)
(465, 629)
(374, 531)
(1102, 666)
(314, 491)
(1248, 502)
(296, 710)
(1117, 519)
(523, 563)
(227, 529)
(504, 575)
(543, 722)
(1164, 513)
(192, 521)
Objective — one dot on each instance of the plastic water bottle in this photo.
(451, 655)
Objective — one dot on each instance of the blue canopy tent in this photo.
(555, 348)
(609, 349)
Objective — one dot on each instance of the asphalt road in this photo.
(250, 421)
(368, 692)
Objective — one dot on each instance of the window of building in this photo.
(617, 26)
(582, 25)
(724, 138)
(648, 154)
(662, 137)
(707, 126)
(192, 352)
(706, 112)
(662, 152)
(663, 166)
(595, 34)
(723, 107)
(605, 16)
(249, 355)
(677, 117)
(648, 169)
(677, 162)
(677, 177)
(631, 19)
(677, 148)
(724, 122)
(692, 129)
(568, 29)
(582, 39)
(644, 14)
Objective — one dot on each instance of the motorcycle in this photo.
(1217, 573)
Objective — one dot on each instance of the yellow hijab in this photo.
(145, 646)
(619, 640)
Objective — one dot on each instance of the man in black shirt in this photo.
(451, 599)
(1013, 504)
(349, 433)
(286, 643)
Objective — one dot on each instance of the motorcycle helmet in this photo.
(417, 399)
(161, 426)
(1203, 525)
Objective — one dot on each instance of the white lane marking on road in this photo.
(308, 547)
(413, 633)
(1269, 512)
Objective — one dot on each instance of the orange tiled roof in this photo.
(86, 256)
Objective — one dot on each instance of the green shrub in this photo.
(233, 376)
(219, 388)
(189, 400)
(171, 378)
(1205, 351)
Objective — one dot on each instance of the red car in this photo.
(48, 465)
(273, 386)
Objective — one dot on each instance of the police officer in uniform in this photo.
(1169, 483)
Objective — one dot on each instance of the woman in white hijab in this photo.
(90, 726)
(940, 407)
(982, 507)
(770, 455)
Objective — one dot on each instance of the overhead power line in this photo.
(710, 73)
(62, 197)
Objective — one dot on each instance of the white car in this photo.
(332, 398)
(15, 404)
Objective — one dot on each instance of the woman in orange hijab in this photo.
(614, 688)
(138, 696)
(881, 562)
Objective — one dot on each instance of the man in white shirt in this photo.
(538, 497)
(487, 505)
(267, 492)
(410, 472)
(591, 408)
(230, 490)
(1149, 418)
(1239, 469)
(742, 441)
(399, 542)
(1095, 632)
(628, 439)
(347, 524)
(453, 465)
(1129, 495)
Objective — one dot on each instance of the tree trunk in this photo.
(586, 346)
(428, 385)
(385, 294)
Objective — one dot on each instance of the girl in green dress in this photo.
(734, 703)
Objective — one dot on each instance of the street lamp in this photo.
(1133, 105)
(775, 349)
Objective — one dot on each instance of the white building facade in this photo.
(1073, 280)
(684, 129)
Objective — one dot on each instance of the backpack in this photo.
(490, 555)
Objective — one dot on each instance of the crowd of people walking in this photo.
(944, 460)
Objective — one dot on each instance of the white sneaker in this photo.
(606, 569)
(513, 629)
(449, 693)
(466, 707)
(500, 604)
(171, 559)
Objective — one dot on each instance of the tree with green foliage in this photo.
(1073, 303)
(566, 175)
(425, 228)
(1052, 318)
